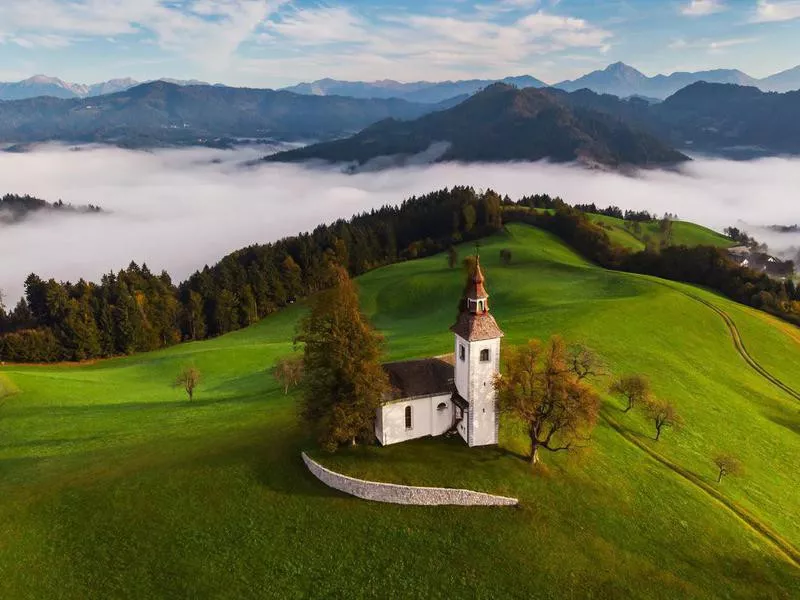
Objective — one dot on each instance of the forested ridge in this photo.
(136, 310)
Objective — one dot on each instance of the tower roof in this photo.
(476, 288)
(474, 321)
(476, 328)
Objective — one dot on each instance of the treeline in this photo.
(14, 208)
(702, 265)
(138, 311)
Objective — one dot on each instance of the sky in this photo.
(272, 43)
(180, 209)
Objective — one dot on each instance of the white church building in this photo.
(436, 395)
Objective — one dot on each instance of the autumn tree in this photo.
(635, 389)
(288, 371)
(585, 362)
(452, 257)
(727, 464)
(539, 389)
(663, 414)
(344, 379)
(188, 379)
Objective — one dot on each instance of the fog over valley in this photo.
(181, 209)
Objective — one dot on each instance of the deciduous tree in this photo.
(663, 413)
(188, 379)
(452, 257)
(727, 464)
(505, 256)
(635, 389)
(585, 362)
(539, 389)
(344, 379)
(288, 371)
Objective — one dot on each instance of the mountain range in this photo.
(500, 123)
(42, 85)
(617, 79)
(161, 113)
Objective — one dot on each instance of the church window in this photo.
(409, 422)
(462, 353)
(442, 406)
(485, 355)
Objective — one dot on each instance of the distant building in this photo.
(437, 395)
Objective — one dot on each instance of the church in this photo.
(435, 396)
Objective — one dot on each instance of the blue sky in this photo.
(278, 42)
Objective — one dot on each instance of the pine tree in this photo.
(344, 380)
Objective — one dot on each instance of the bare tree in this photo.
(634, 388)
(288, 372)
(585, 362)
(663, 413)
(505, 256)
(727, 465)
(188, 379)
(539, 389)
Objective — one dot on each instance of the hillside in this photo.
(166, 113)
(725, 119)
(502, 123)
(113, 485)
(683, 233)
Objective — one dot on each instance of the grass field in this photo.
(683, 233)
(113, 485)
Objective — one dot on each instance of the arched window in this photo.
(442, 406)
(485, 355)
(409, 422)
(462, 353)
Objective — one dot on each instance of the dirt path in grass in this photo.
(740, 347)
(738, 342)
(752, 522)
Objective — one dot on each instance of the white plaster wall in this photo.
(425, 419)
(441, 420)
(403, 494)
(462, 368)
(482, 396)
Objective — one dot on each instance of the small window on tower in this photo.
(462, 353)
(409, 422)
(485, 355)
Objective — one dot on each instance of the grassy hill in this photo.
(113, 485)
(683, 233)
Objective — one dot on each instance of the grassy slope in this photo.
(683, 233)
(113, 486)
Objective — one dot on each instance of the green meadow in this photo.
(683, 233)
(113, 485)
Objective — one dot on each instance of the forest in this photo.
(136, 310)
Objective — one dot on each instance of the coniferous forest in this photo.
(136, 310)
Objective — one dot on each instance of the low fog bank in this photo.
(181, 209)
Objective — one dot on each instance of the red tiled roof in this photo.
(474, 328)
(476, 289)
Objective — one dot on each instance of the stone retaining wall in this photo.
(403, 494)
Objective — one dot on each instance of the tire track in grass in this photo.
(737, 340)
(784, 547)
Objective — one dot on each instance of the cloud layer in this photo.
(181, 209)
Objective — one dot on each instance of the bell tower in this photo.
(477, 347)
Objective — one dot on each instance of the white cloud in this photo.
(205, 29)
(713, 46)
(786, 10)
(701, 8)
(412, 45)
(178, 210)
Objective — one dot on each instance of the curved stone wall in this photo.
(403, 494)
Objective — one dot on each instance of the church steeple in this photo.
(477, 297)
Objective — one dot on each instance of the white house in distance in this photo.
(435, 395)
